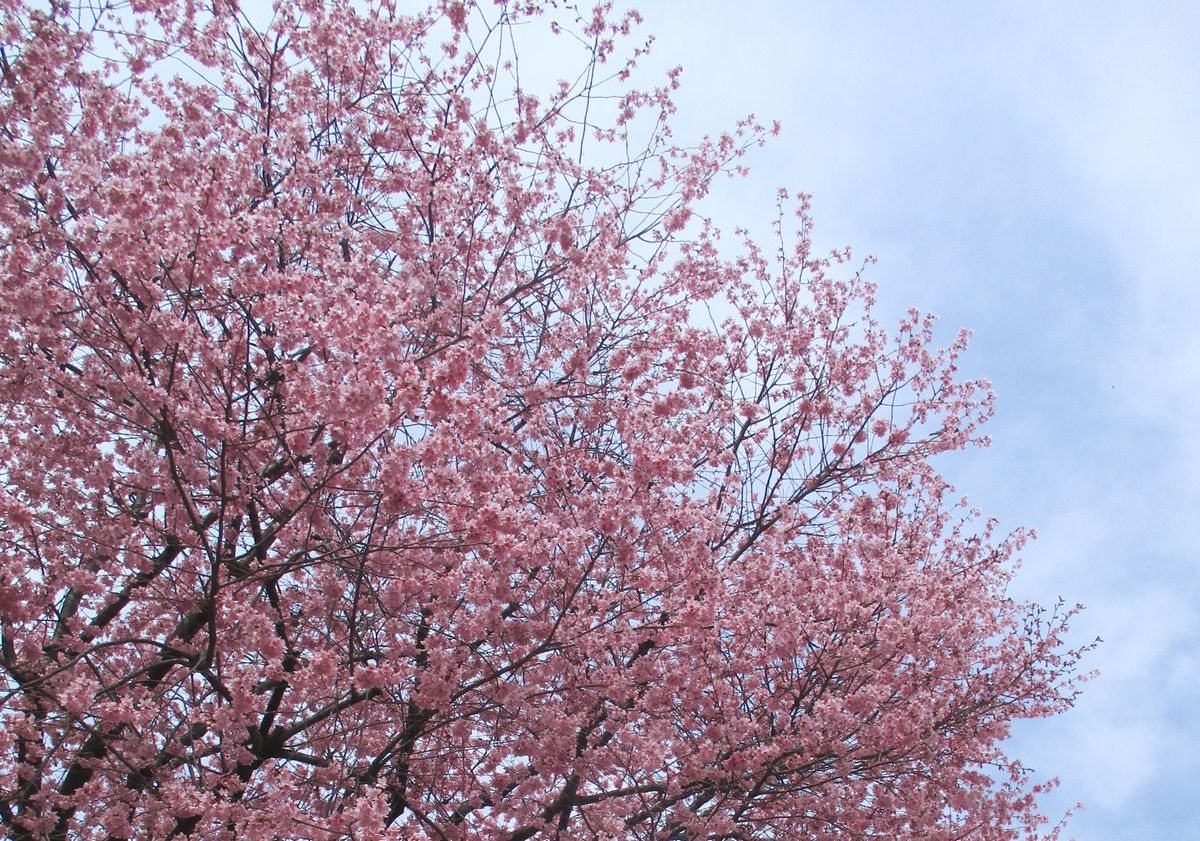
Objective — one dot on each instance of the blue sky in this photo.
(1031, 171)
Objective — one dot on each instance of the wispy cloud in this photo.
(1030, 170)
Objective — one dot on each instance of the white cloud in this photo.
(1030, 170)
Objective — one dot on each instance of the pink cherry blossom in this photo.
(392, 450)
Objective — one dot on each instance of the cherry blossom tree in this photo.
(391, 449)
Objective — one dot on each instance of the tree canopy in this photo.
(391, 449)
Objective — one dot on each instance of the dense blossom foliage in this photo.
(390, 449)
